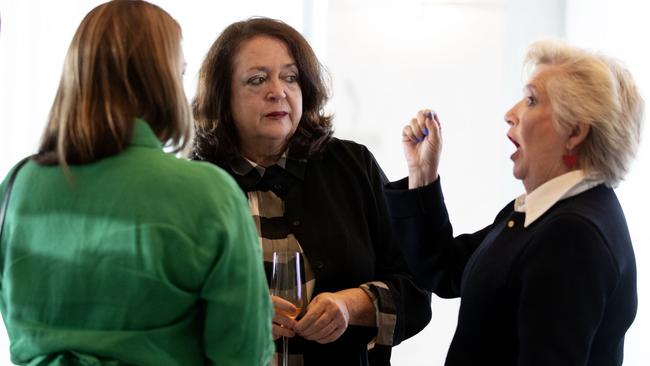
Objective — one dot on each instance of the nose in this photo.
(510, 116)
(276, 90)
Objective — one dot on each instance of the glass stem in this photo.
(285, 351)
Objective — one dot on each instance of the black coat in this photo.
(338, 214)
(560, 292)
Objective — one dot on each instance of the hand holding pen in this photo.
(422, 144)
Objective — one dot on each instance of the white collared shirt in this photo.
(537, 202)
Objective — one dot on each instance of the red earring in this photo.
(570, 160)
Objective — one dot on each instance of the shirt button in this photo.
(277, 187)
(319, 265)
(295, 223)
(511, 223)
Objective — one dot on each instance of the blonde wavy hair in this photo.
(123, 63)
(594, 89)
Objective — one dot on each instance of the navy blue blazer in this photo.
(560, 292)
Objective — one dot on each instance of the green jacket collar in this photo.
(144, 136)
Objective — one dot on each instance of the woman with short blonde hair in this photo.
(552, 280)
(598, 91)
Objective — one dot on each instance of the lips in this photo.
(514, 155)
(276, 115)
(514, 142)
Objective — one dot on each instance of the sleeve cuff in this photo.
(385, 311)
(422, 201)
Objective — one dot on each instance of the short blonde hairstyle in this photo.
(123, 63)
(596, 90)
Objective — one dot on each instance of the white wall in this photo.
(387, 59)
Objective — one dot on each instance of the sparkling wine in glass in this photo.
(287, 275)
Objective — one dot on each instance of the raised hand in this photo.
(422, 142)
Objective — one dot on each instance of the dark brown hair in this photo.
(123, 63)
(216, 135)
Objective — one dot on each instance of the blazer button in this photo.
(319, 265)
(511, 223)
(295, 223)
(277, 187)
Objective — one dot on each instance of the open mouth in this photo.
(515, 154)
(514, 142)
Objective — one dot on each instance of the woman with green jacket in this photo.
(114, 252)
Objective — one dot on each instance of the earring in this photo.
(570, 160)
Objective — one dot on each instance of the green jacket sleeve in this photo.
(238, 308)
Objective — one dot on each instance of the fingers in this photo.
(324, 330)
(419, 128)
(283, 305)
(435, 117)
(280, 319)
(279, 331)
(327, 336)
(409, 134)
(282, 324)
(433, 126)
(315, 323)
(325, 320)
(415, 131)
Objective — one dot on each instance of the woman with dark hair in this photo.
(115, 252)
(259, 114)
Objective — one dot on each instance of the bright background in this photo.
(387, 59)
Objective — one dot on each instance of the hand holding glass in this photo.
(286, 282)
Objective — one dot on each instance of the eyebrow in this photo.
(531, 87)
(266, 69)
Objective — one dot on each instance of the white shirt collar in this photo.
(244, 165)
(537, 202)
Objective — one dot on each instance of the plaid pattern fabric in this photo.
(385, 312)
(267, 208)
(274, 234)
(265, 193)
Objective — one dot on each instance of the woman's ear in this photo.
(578, 134)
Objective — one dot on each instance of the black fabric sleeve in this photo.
(421, 225)
(412, 303)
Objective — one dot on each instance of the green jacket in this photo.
(142, 258)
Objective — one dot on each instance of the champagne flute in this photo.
(286, 282)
